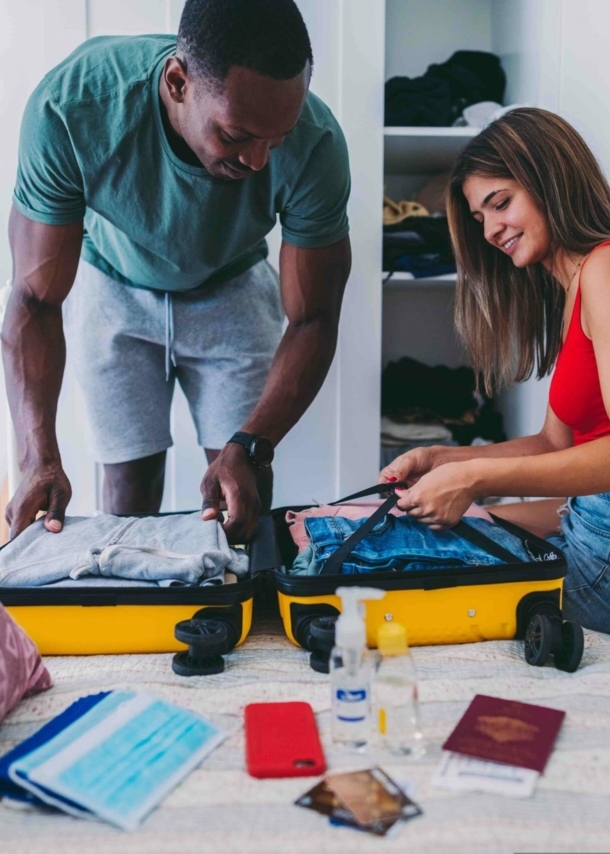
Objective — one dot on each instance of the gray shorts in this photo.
(129, 346)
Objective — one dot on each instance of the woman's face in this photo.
(510, 218)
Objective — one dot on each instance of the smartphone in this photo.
(282, 741)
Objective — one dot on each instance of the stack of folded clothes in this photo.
(439, 96)
(415, 242)
(423, 405)
(116, 551)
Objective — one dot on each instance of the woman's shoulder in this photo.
(595, 290)
(596, 269)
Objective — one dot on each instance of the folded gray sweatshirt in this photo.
(175, 549)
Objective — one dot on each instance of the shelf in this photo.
(422, 150)
(407, 280)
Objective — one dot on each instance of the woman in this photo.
(529, 213)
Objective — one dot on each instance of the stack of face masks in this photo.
(113, 756)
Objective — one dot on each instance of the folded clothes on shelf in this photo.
(421, 266)
(420, 245)
(412, 392)
(396, 212)
(393, 432)
(439, 96)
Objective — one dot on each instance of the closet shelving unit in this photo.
(416, 153)
(425, 149)
(417, 313)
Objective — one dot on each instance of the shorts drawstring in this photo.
(169, 335)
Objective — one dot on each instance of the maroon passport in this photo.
(506, 731)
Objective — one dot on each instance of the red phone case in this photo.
(282, 741)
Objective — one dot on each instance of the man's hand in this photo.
(232, 477)
(43, 487)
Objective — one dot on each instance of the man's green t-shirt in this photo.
(93, 145)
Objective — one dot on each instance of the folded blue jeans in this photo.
(400, 543)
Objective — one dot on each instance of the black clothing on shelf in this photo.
(437, 98)
(414, 392)
(420, 245)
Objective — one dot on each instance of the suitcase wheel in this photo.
(548, 635)
(321, 642)
(569, 656)
(207, 640)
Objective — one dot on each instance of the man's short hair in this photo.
(266, 36)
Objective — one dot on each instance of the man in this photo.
(150, 172)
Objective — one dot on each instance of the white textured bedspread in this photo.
(219, 808)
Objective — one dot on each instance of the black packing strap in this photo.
(335, 562)
(378, 489)
(477, 538)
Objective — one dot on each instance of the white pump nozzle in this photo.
(350, 631)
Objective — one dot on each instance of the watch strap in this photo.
(241, 438)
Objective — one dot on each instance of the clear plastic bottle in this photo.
(351, 670)
(396, 696)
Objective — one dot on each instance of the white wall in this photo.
(330, 449)
(420, 32)
(34, 36)
(527, 35)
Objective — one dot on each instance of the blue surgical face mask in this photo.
(119, 760)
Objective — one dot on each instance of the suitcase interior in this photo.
(444, 606)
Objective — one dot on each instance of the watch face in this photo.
(262, 451)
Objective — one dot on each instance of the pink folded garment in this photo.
(355, 510)
(21, 669)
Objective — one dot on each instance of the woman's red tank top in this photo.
(575, 395)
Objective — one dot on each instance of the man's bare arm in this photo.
(45, 260)
(312, 282)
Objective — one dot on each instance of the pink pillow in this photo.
(21, 669)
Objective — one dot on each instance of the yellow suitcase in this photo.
(440, 606)
(129, 620)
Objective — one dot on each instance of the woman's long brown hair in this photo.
(510, 319)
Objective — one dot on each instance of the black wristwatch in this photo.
(259, 449)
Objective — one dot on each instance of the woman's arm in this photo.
(554, 436)
(440, 497)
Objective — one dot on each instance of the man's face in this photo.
(232, 130)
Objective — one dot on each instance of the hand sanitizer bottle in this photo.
(396, 693)
(351, 671)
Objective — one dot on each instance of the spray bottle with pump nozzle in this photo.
(351, 670)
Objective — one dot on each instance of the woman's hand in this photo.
(411, 466)
(440, 498)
